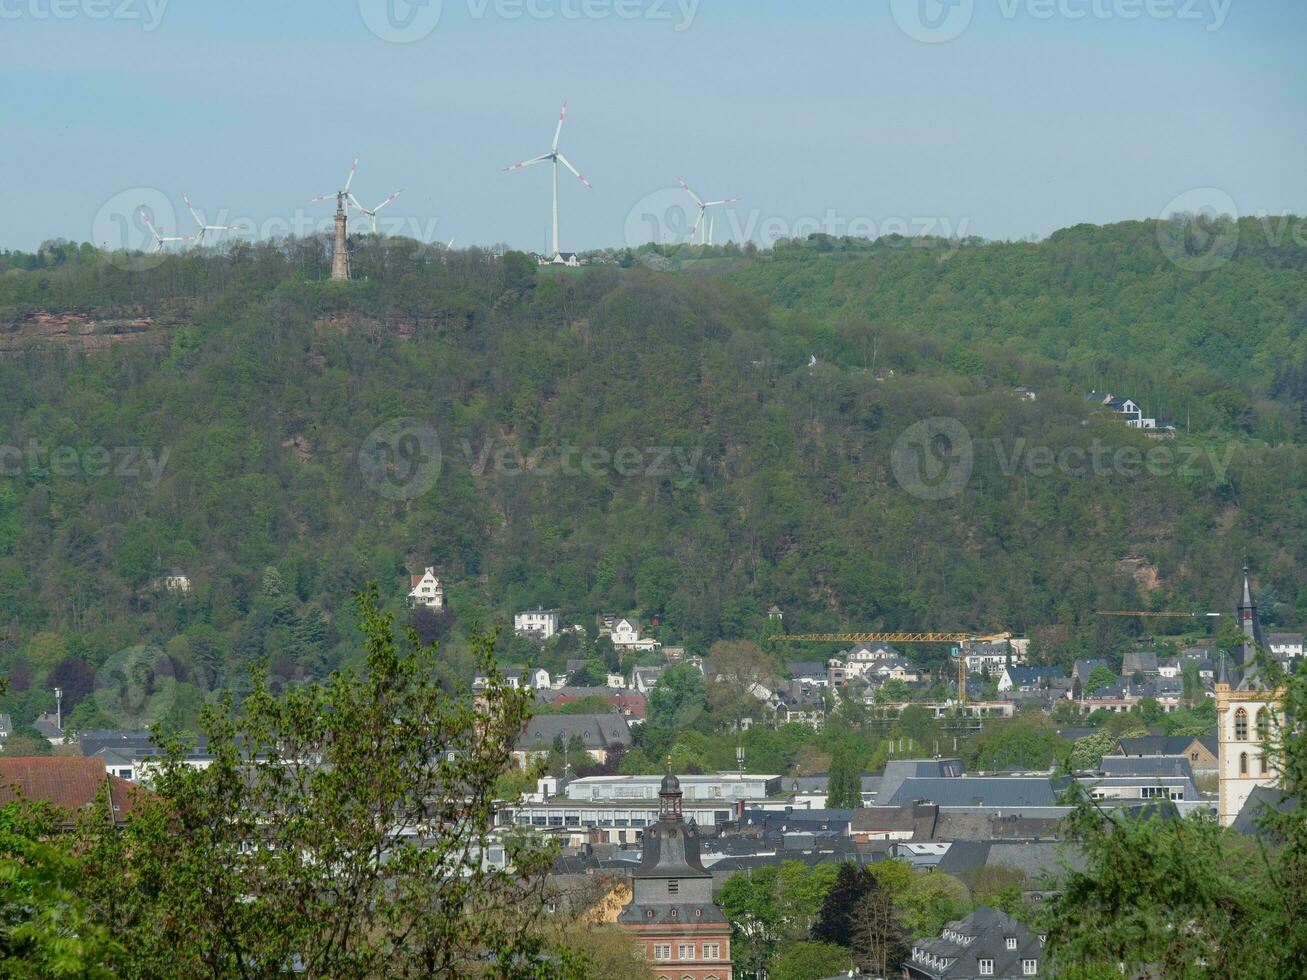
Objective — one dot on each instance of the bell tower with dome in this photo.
(684, 934)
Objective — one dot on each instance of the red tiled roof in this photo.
(69, 782)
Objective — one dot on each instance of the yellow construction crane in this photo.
(958, 638)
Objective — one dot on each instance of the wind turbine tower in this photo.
(554, 157)
(703, 207)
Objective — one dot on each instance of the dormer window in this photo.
(1011, 942)
(673, 887)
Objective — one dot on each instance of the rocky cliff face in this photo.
(81, 331)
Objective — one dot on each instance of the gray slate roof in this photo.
(976, 790)
(596, 731)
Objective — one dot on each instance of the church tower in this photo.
(684, 934)
(1248, 711)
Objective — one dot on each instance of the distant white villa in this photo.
(538, 623)
(427, 590)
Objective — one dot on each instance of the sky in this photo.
(999, 118)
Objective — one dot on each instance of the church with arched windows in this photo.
(1247, 712)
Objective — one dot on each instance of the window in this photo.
(1029, 967)
(712, 951)
(986, 968)
(1011, 942)
(1261, 763)
(1243, 763)
(1241, 725)
(662, 951)
(673, 887)
(1263, 724)
(685, 951)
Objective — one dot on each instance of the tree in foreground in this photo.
(1166, 897)
(341, 831)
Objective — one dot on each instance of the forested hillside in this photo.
(693, 447)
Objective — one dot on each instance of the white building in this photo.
(1285, 645)
(626, 636)
(540, 624)
(175, 581)
(426, 590)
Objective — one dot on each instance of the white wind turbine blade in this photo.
(729, 200)
(529, 163)
(559, 131)
(353, 202)
(697, 222)
(191, 208)
(350, 179)
(690, 192)
(145, 216)
(323, 197)
(563, 160)
(388, 200)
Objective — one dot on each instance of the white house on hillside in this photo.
(626, 636)
(1285, 645)
(538, 623)
(426, 590)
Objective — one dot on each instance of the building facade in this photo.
(426, 590)
(538, 623)
(683, 933)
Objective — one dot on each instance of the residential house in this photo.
(131, 754)
(1127, 408)
(1015, 678)
(534, 678)
(986, 943)
(71, 783)
(991, 655)
(426, 590)
(539, 624)
(1140, 662)
(645, 679)
(627, 703)
(810, 672)
(1168, 667)
(865, 656)
(50, 727)
(1024, 394)
(599, 736)
(1285, 645)
(626, 637)
(604, 622)
(6, 726)
(895, 668)
(1199, 750)
(1084, 667)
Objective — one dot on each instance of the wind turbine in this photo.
(554, 157)
(159, 240)
(199, 239)
(372, 212)
(343, 194)
(703, 210)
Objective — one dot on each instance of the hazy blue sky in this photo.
(1039, 114)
